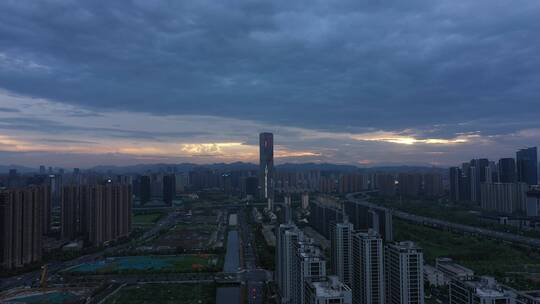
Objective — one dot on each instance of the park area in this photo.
(184, 263)
(146, 220)
(517, 266)
(165, 293)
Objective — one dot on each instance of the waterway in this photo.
(226, 295)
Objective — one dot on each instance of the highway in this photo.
(441, 224)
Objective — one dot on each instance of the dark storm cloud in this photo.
(53, 127)
(437, 66)
(8, 110)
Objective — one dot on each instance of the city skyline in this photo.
(447, 86)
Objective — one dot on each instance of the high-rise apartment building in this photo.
(97, 214)
(145, 189)
(504, 197)
(341, 250)
(368, 268)
(527, 166)
(455, 182)
(433, 185)
(21, 223)
(477, 176)
(288, 235)
(365, 216)
(404, 273)
(309, 266)
(169, 189)
(266, 166)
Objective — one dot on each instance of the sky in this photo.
(362, 82)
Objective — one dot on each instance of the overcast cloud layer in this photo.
(363, 82)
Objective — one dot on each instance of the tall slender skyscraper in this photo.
(341, 249)
(527, 166)
(368, 268)
(404, 274)
(266, 166)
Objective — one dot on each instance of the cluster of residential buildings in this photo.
(364, 268)
(507, 186)
(38, 208)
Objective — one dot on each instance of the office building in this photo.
(266, 166)
(527, 166)
(484, 290)
(169, 189)
(21, 226)
(331, 291)
(507, 170)
(404, 273)
(97, 214)
(368, 268)
(341, 250)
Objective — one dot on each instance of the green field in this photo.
(165, 293)
(461, 213)
(147, 218)
(485, 257)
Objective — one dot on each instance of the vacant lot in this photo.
(485, 257)
(165, 293)
(188, 236)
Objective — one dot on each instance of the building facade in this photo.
(341, 250)
(404, 263)
(21, 220)
(266, 166)
(97, 214)
(368, 268)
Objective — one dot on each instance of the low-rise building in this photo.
(434, 277)
(331, 291)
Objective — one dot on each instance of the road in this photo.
(255, 277)
(427, 221)
(32, 278)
